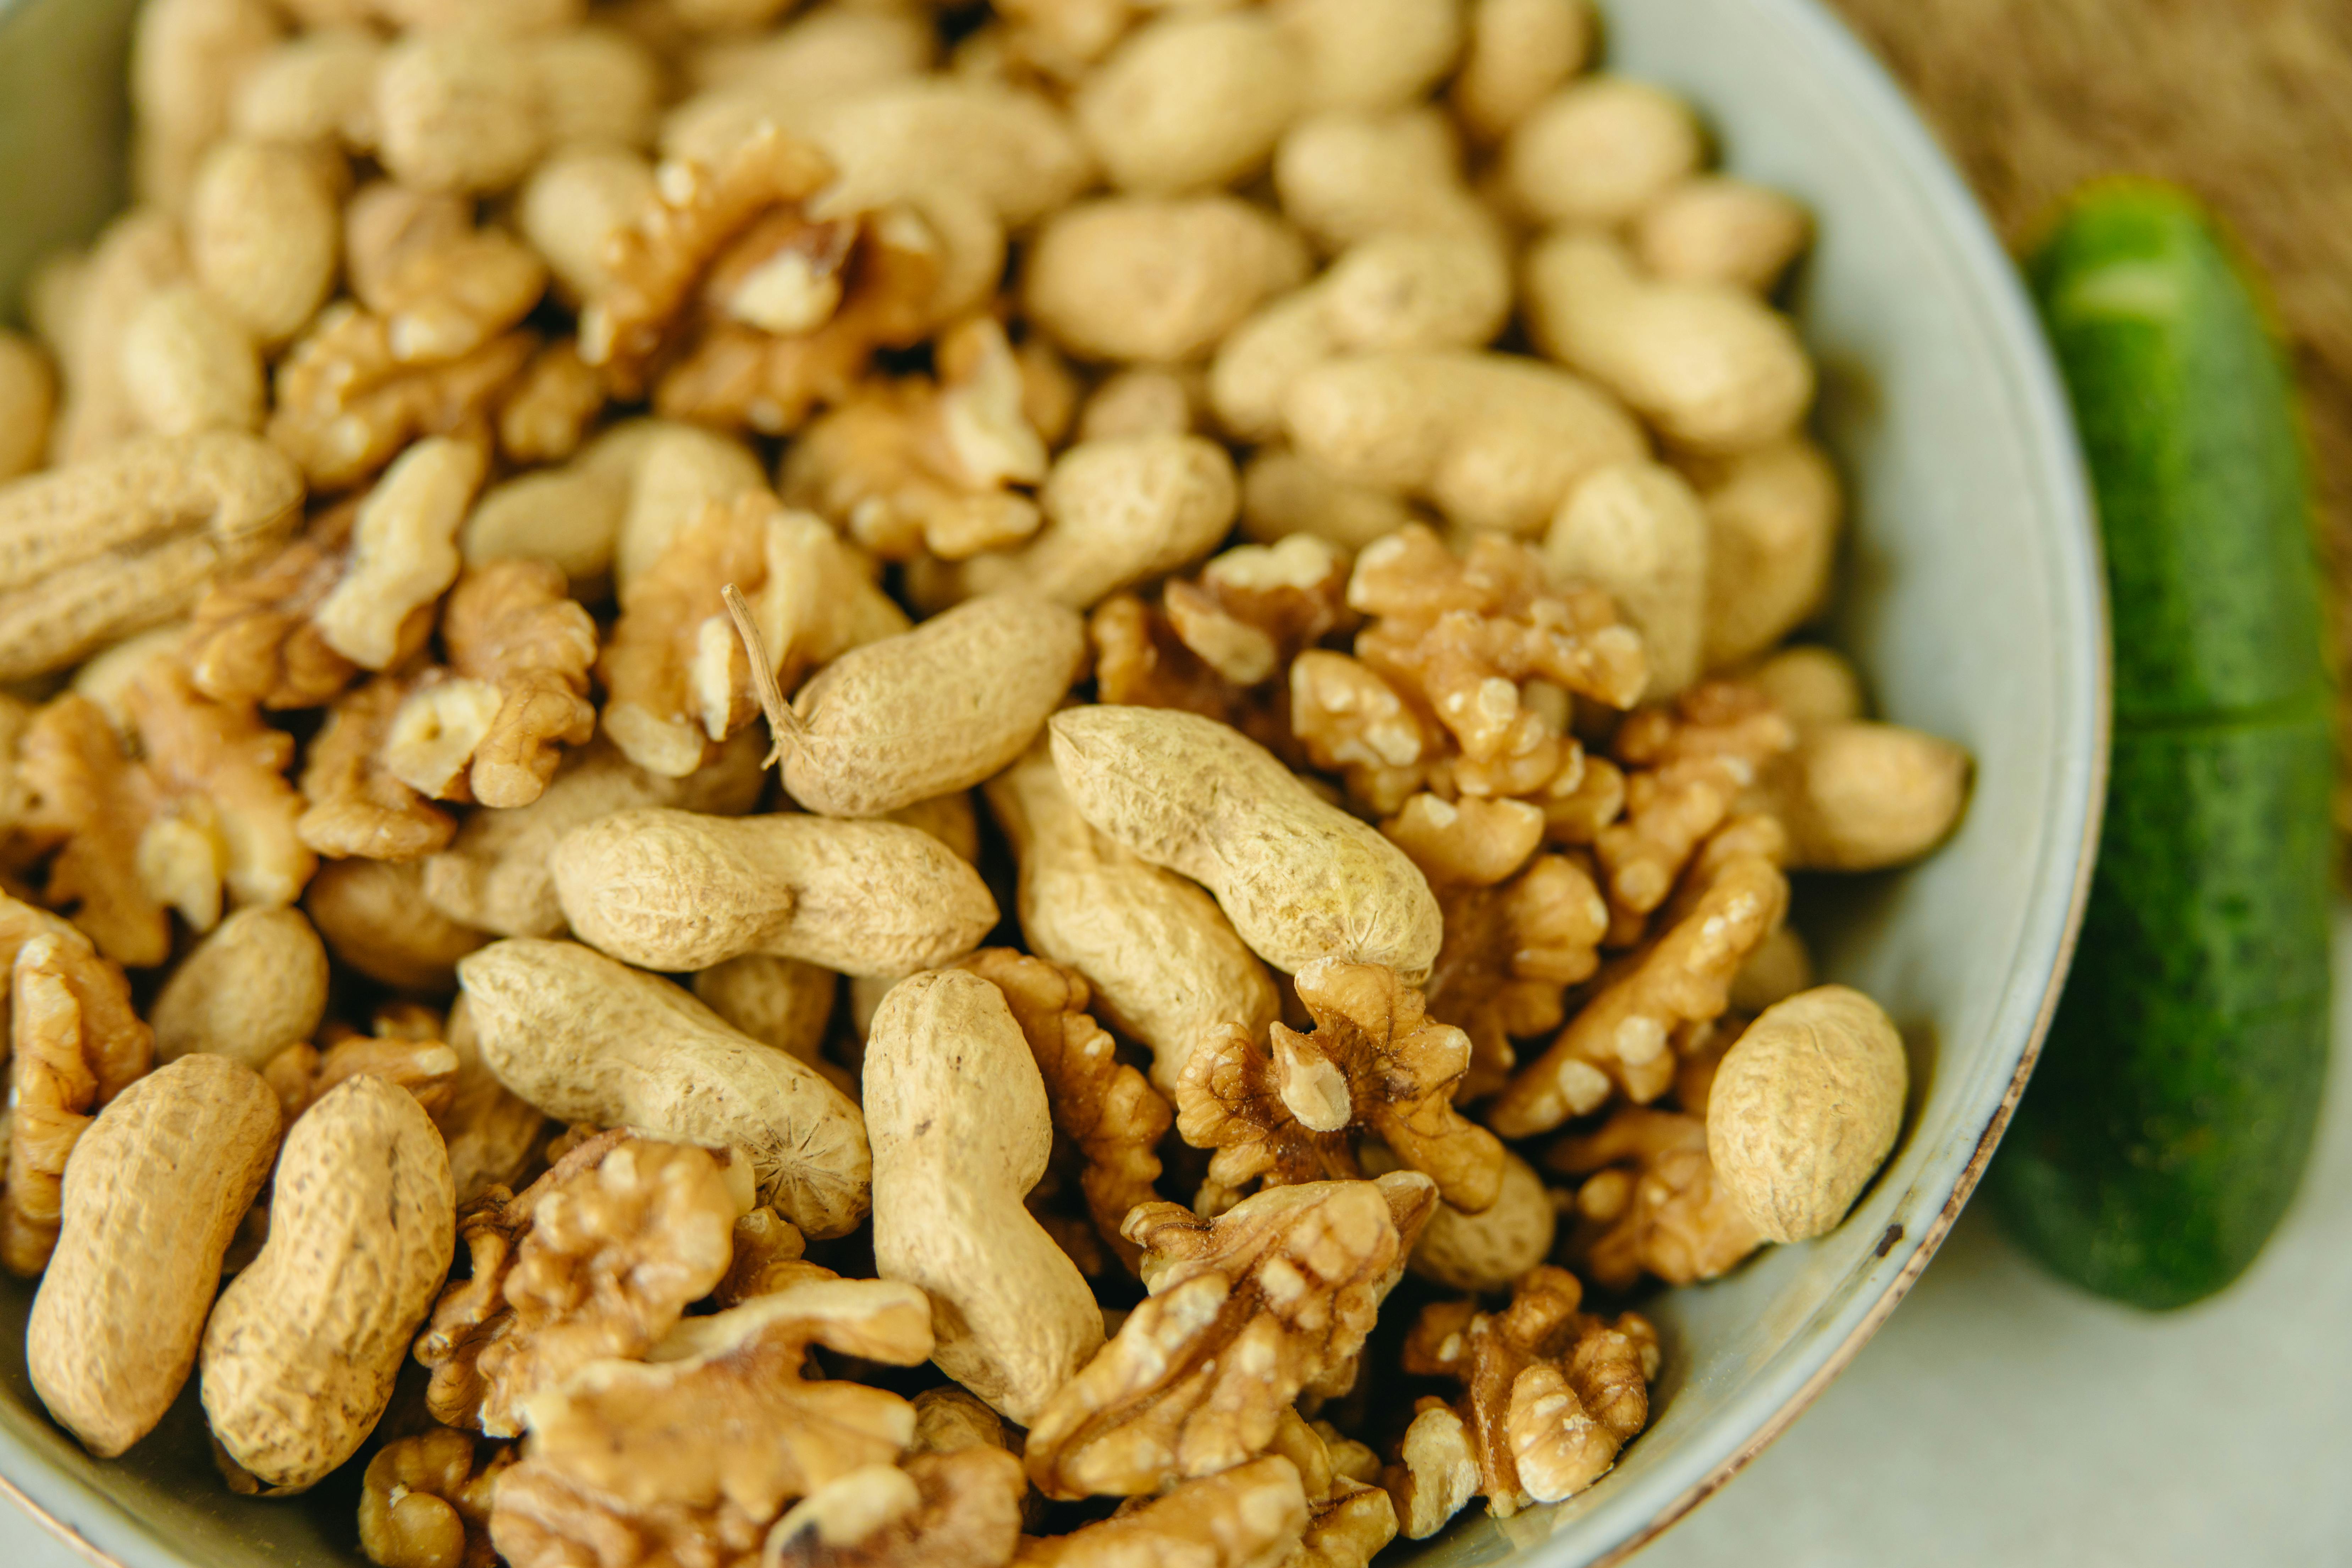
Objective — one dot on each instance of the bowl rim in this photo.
(2034, 385)
(2048, 424)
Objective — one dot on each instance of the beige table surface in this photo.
(2001, 1420)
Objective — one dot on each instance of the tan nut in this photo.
(1371, 54)
(189, 367)
(1805, 1108)
(586, 1039)
(1713, 368)
(256, 985)
(1164, 962)
(1158, 281)
(75, 1045)
(319, 87)
(1779, 968)
(1247, 1517)
(1141, 401)
(1245, 1311)
(607, 1461)
(79, 306)
(1717, 229)
(569, 516)
(1598, 151)
(458, 111)
(597, 87)
(1348, 175)
(1300, 878)
(265, 235)
(912, 464)
(1860, 796)
(187, 58)
(1010, 148)
(1190, 100)
(28, 399)
(1487, 1251)
(575, 203)
(1635, 531)
(832, 49)
(403, 550)
(1376, 1065)
(1772, 519)
(1682, 976)
(157, 1189)
(1442, 289)
(1495, 441)
(92, 553)
(779, 1001)
(675, 890)
(492, 1135)
(932, 711)
(1810, 685)
(1283, 493)
(961, 1132)
(1519, 52)
(744, 600)
(1118, 513)
(425, 1503)
(494, 876)
(375, 918)
(301, 1354)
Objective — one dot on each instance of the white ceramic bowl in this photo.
(1972, 603)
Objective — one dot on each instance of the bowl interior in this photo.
(1971, 602)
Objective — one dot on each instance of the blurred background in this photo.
(2002, 1417)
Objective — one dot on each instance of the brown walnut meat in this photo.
(354, 806)
(767, 1249)
(677, 671)
(1624, 1035)
(1247, 1517)
(1686, 768)
(599, 1257)
(692, 1457)
(253, 640)
(75, 1043)
(958, 1510)
(1245, 1312)
(424, 1065)
(1460, 634)
(1219, 644)
(909, 465)
(1349, 1518)
(1375, 1063)
(427, 347)
(425, 1502)
(1110, 1110)
(1550, 1395)
(520, 649)
(1650, 1202)
(734, 306)
(1510, 953)
(203, 817)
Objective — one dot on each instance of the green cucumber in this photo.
(2167, 1125)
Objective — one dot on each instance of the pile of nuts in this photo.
(994, 1139)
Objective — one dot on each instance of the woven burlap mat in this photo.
(2247, 102)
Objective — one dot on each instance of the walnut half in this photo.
(1551, 1394)
(1245, 1311)
(1376, 1062)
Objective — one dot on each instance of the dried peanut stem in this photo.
(783, 722)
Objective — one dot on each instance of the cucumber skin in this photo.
(2168, 1123)
(2190, 426)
